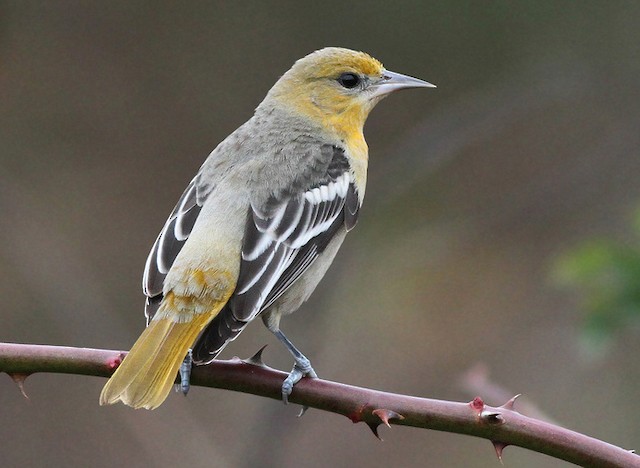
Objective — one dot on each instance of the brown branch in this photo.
(502, 425)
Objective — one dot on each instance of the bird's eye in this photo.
(349, 80)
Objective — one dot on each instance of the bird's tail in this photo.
(145, 377)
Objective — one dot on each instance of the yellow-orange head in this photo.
(337, 88)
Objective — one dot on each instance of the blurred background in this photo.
(470, 268)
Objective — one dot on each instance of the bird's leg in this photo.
(301, 368)
(185, 373)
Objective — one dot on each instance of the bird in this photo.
(258, 226)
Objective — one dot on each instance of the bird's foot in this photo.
(185, 374)
(302, 368)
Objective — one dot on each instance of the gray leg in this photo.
(185, 374)
(301, 368)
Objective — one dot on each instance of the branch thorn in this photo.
(385, 415)
(499, 447)
(114, 362)
(19, 380)
(492, 417)
(477, 404)
(256, 359)
(356, 416)
(509, 404)
(374, 429)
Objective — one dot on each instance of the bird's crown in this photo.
(331, 61)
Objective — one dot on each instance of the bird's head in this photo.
(338, 87)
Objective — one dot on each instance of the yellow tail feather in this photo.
(145, 377)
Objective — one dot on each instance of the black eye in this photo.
(349, 80)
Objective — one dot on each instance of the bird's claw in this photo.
(185, 374)
(302, 368)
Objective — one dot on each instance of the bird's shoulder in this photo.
(275, 155)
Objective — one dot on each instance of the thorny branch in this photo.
(502, 425)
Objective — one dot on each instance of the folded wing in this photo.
(282, 240)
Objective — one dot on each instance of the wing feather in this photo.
(300, 248)
(168, 245)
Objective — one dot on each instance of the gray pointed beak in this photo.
(392, 81)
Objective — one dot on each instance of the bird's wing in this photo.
(282, 240)
(281, 243)
(167, 246)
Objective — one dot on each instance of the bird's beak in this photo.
(392, 81)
